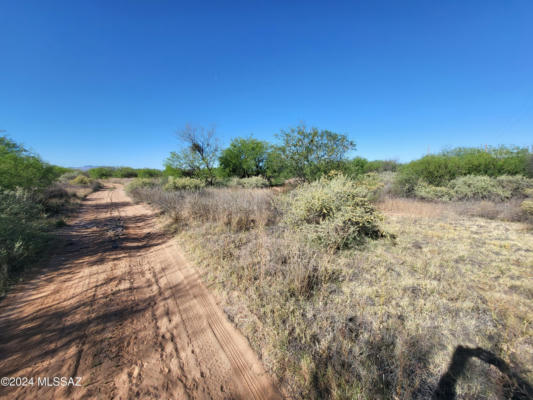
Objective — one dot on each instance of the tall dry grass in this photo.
(380, 321)
(238, 209)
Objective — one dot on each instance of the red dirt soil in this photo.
(120, 307)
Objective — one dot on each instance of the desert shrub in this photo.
(333, 212)
(183, 184)
(528, 192)
(474, 187)
(22, 232)
(373, 183)
(70, 175)
(425, 191)
(149, 173)
(360, 165)
(53, 199)
(355, 167)
(124, 172)
(527, 207)
(249, 183)
(140, 183)
(55, 191)
(21, 168)
(81, 180)
(529, 166)
(101, 172)
(381, 166)
(440, 169)
(517, 185)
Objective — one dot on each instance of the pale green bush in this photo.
(518, 185)
(426, 191)
(335, 213)
(372, 183)
(473, 187)
(81, 180)
(183, 184)
(253, 182)
(68, 176)
(140, 183)
(527, 206)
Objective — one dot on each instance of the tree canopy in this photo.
(19, 167)
(309, 153)
(245, 157)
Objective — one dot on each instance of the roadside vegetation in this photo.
(34, 199)
(357, 279)
(351, 278)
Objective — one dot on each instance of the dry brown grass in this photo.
(505, 211)
(413, 207)
(376, 322)
(238, 209)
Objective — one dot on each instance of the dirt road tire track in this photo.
(120, 307)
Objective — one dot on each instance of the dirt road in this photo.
(119, 307)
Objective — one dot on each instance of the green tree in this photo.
(276, 168)
(184, 162)
(311, 153)
(20, 167)
(355, 167)
(199, 156)
(244, 157)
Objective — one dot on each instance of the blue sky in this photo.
(109, 82)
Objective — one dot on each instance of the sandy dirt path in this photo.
(120, 307)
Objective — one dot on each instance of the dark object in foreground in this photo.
(515, 388)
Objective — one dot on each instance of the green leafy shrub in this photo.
(149, 173)
(335, 213)
(381, 166)
(22, 232)
(474, 187)
(183, 184)
(125, 172)
(101, 172)
(440, 169)
(21, 168)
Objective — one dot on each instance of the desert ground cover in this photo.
(381, 319)
(35, 198)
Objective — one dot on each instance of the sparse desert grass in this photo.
(378, 321)
(510, 211)
(26, 219)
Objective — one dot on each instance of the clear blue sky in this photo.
(109, 82)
